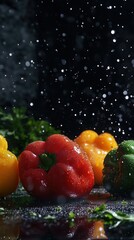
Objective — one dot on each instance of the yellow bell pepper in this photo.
(9, 173)
(96, 147)
(9, 229)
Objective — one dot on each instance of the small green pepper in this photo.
(118, 171)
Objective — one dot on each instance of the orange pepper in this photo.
(9, 173)
(96, 147)
(99, 231)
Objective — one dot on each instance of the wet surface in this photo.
(22, 217)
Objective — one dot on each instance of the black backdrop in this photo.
(85, 63)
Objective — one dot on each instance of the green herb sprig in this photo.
(109, 216)
(2, 210)
(19, 129)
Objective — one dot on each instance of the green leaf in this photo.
(50, 217)
(118, 215)
(71, 215)
(2, 210)
(20, 128)
(110, 216)
(100, 208)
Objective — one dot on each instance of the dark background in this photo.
(86, 65)
(84, 61)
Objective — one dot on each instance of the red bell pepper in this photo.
(55, 167)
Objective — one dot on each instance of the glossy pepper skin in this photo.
(9, 173)
(96, 147)
(119, 170)
(70, 175)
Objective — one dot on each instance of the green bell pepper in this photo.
(118, 171)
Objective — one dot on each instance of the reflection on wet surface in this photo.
(79, 229)
(22, 217)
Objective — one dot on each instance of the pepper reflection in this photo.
(9, 229)
(79, 229)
